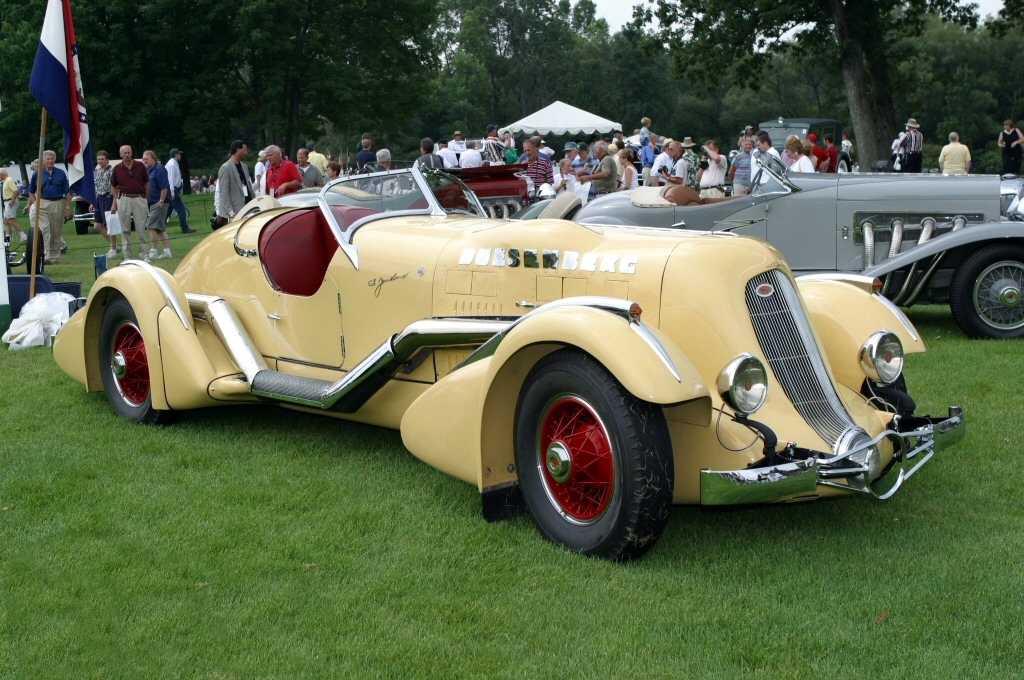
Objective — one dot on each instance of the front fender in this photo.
(640, 357)
(463, 424)
(975, 234)
(845, 314)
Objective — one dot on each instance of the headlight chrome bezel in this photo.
(743, 384)
(881, 357)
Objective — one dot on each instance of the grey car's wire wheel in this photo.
(595, 463)
(986, 293)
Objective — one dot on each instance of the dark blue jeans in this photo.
(177, 206)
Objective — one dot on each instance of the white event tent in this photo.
(559, 119)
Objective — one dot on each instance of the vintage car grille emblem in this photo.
(765, 290)
(787, 342)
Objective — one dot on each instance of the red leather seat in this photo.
(295, 250)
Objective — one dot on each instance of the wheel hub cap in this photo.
(1009, 294)
(559, 462)
(118, 365)
(576, 461)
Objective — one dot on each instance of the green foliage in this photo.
(194, 74)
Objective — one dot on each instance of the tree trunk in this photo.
(868, 93)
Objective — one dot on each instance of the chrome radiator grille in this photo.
(784, 333)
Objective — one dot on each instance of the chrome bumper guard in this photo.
(911, 450)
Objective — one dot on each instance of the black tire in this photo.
(595, 463)
(985, 294)
(124, 366)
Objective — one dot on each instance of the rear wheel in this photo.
(595, 463)
(124, 366)
(985, 294)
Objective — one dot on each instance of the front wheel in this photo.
(985, 294)
(595, 463)
(124, 366)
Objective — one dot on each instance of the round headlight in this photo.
(743, 384)
(881, 357)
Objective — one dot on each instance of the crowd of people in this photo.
(148, 192)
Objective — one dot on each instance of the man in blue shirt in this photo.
(156, 219)
(648, 152)
(54, 205)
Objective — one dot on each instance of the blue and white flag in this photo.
(57, 83)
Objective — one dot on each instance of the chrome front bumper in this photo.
(912, 448)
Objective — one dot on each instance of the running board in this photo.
(355, 388)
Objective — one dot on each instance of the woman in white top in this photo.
(565, 180)
(801, 163)
(628, 178)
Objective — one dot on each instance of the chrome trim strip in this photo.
(386, 359)
(351, 251)
(859, 280)
(354, 388)
(787, 342)
(898, 313)
(165, 288)
(228, 327)
(615, 306)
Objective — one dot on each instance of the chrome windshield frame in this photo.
(434, 209)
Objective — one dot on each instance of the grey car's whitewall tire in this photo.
(986, 292)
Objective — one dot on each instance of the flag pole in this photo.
(39, 208)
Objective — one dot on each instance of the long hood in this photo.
(484, 270)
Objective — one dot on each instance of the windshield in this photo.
(771, 176)
(430, 190)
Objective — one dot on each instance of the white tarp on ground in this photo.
(561, 119)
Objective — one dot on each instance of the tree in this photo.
(195, 74)
(712, 39)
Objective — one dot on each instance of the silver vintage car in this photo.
(928, 238)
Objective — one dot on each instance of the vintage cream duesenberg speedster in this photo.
(591, 376)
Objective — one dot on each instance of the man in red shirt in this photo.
(130, 184)
(833, 154)
(820, 154)
(283, 176)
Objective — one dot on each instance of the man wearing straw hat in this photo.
(910, 147)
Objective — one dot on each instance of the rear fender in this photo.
(845, 314)
(179, 368)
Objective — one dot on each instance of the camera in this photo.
(703, 163)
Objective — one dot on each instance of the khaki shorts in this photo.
(156, 219)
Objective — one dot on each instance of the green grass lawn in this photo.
(258, 542)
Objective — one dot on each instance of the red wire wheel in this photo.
(129, 364)
(594, 463)
(124, 365)
(578, 466)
